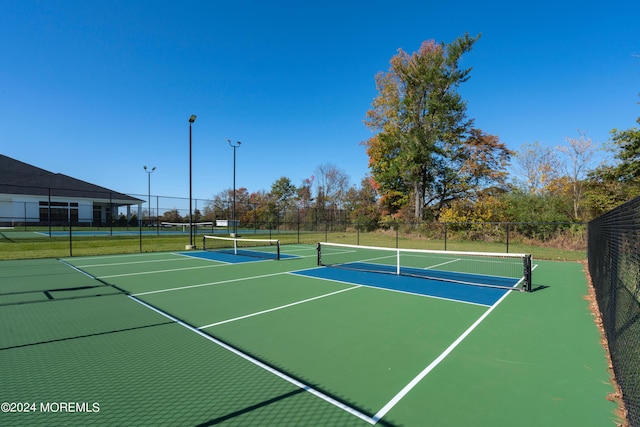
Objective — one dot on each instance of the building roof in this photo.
(17, 177)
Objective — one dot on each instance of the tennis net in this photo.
(496, 270)
(260, 248)
(184, 226)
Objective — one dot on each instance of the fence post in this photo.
(397, 233)
(508, 237)
(445, 235)
(49, 211)
(326, 231)
(111, 214)
(298, 221)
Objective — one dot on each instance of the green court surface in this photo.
(187, 339)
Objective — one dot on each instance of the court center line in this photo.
(262, 365)
(279, 308)
(402, 393)
(442, 263)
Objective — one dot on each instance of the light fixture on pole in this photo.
(191, 120)
(233, 211)
(149, 188)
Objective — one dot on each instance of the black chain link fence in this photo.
(614, 266)
(33, 217)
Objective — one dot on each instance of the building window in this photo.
(61, 212)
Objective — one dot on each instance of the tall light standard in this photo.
(191, 120)
(149, 188)
(233, 212)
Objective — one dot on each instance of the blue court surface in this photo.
(229, 257)
(414, 285)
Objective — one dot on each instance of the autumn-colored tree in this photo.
(388, 179)
(260, 210)
(539, 166)
(425, 146)
(304, 193)
(561, 187)
(473, 164)
(392, 202)
(221, 205)
(361, 203)
(580, 152)
(488, 206)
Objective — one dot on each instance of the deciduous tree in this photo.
(425, 145)
(580, 152)
(628, 145)
(539, 166)
(332, 184)
(362, 204)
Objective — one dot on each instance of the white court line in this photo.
(181, 259)
(267, 368)
(121, 255)
(279, 308)
(402, 393)
(76, 268)
(294, 256)
(208, 284)
(441, 264)
(143, 273)
(296, 248)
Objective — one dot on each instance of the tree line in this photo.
(429, 161)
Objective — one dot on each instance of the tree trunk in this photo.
(418, 201)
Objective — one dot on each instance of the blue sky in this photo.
(98, 89)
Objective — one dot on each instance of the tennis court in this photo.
(204, 338)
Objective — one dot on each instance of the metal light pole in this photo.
(233, 212)
(191, 120)
(149, 188)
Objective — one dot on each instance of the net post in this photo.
(527, 273)
(398, 262)
(204, 243)
(235, 247)
(319, 256)
(277, 250)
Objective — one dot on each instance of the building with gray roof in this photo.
(30, 195)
